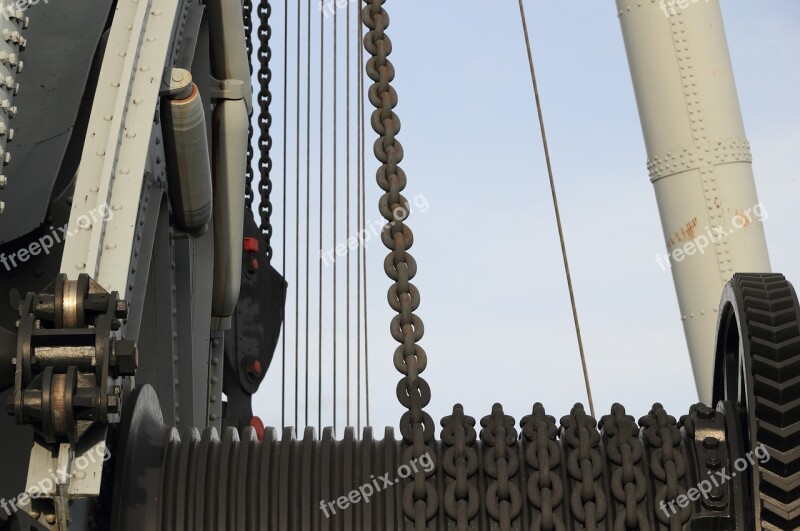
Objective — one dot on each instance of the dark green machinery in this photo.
(144, 311)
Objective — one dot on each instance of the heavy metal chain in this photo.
(543, 455)
(667, 464)
(264, 124)
(247, 12)
(501, 463)
(628, 482)
(585, 466)
(460, 463)
(420, 501)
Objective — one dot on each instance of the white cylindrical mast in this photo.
(698, 158)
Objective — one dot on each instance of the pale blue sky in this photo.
(494, 299)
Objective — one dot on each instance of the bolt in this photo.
(705, 413)
(113, 404)
(710, 443)
(125, 357)
(121, 311)
(712, 461)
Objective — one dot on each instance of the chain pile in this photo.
(667, 464)
(501, 464)
(460, 463)
(628, 482)
(576, 477)
(420, 501)
(543, 455)
(585, 467)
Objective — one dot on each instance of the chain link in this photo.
(501, 463)
(585, 466)
(667, 464)
(543, 455)
(628, 482)
(264, 124)
(420, 501)
(460, 463)
(247, 12)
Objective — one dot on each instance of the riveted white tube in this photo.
(698, 157)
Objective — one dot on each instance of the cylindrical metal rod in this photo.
(188, 159)
(698, 157)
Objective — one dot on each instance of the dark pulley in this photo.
(758, 369)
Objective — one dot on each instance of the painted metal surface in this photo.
(61, 44)
(13, 22)
(112, 170)
(108, 210)
(698, 158)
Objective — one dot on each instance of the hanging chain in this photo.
(264, 123)
(247, 12)
(420, 501)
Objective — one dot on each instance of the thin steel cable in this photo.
(359, 211)
(308, 203)
(297, 240)
(364, 224)
(285, 172)
(555, 206)
(347, 217)
(321, 210)
(335, 161)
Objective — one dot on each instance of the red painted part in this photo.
(254, 367)
(250, 245)
(258, 425)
